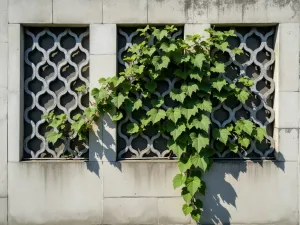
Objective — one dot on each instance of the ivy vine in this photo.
(198, 89)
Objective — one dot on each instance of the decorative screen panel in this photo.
(56, 62)
(257, 62)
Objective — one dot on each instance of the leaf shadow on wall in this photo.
(221, 195)
(102, 145)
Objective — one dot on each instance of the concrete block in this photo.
(55, 193)
(15, 63)
(103, 39)
(288, 57)
(140, 178)
(3, 211)
(170, 11)
(236, 189)
(3, 20)
(15, 142)
(286, 144)
(102, 141)
(3, 143)
(287, 110)
(80, 11)
(130, 211)
(170, 211)
(191, 29)
(30, 11)
(258, 11)
(125, 11)
(3, 64)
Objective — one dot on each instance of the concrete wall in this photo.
(104, 191)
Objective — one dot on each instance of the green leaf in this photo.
(259, 133)
(77, 116)
(184, 165)
(138, 104)
(156, 115)
(118, 100)
(203, 123)
(189, 112)
(177, 95)
(177, 148)
(52, 137)
(193, 184)
(150, 51)
(200, 162)
(196, 216)
(221, 135)
(198, 60)
(187, 209)
(132, 128)
(248, 126)
(205, 105)
(243, 141)
(160, 34)
(90, 112)
(168, 47)
(200, 142)
(76, 126)
(243, 96)
(178, 131)
(219, 84)
(174, 114)
(187, 197)
(117, 116)
(81, 89)
(145, 121)
(222, 46)
(157, 102)
(195, 76)
(233, 147)
(218, 68)
(151, 86)
(178, 180)
(160, 62)
(237, 51)
(189, 88)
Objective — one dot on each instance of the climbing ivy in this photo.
(198, 89)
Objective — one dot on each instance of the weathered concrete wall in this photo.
(103, 191)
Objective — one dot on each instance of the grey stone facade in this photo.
(106, 191)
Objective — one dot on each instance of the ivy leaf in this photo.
(198, 60)
(76, 126)
(243, 141)
(205, 87)
(218, 68)
(156, 115)
(52, 137)
(233, 147)
(174, 114)
(150, 51)
(187, 197)
(237, 51)
(117, 116)
(219, 84)
(221, 135)
(132, 128)
(187, 209)
(177, 148)
(157, 102)
(89, 112)
(177, 95)
(193, 184)
(189, 112)
(199, 162)
(118, 100)
(260, 133)
(76, 117)
(160, 62)
(200, 142)
(205, 105)
(145, 121)
(151, 86)
(222, 46)
(184, 165)
(248, 126)
(243, 96)
(160, 34)
(196, 76)
(196, 216)
(178, 131)
(189, 88)
(138, 104)
(202, 124)
(168, 47)
(178, 180)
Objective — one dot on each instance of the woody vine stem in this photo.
(198, 88)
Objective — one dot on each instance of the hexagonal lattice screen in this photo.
(56, 61)
(257, 62)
